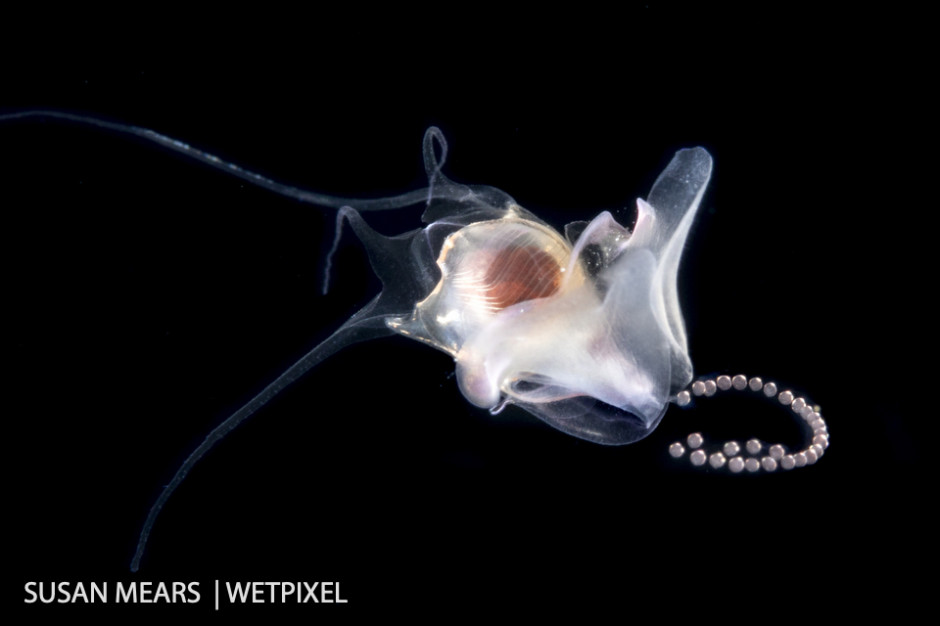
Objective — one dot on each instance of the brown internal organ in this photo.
(521, 273)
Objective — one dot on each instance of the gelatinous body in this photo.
(582, 330)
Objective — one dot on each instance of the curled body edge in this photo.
(595, 347)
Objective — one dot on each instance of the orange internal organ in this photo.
(521, 273)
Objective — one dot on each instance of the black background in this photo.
(148, 297)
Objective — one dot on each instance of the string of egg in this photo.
(760, 455)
